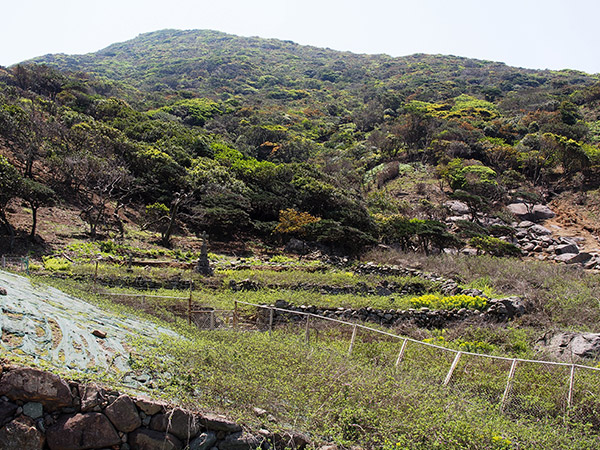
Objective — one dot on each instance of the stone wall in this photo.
(39, 410)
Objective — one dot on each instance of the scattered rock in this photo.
(457, 207)
(82, 431)
(573, 258)
(3, 291)
(99, 334)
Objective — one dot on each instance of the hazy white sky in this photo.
(539, 34)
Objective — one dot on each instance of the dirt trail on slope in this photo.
(574, 221)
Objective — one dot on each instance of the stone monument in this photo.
(203, 266)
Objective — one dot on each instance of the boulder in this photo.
(219, 423)
(141, 439)
(566, 248)
(573, 258)
(82, 431)
(570, 344)
(457, 207)
(32, 385)
(7, 411)
(182, 424)
(506, 308)
(91, 396)
(539, 230)
(123, 414)
(149, 406)
(21, 434)
(296, 246)
(204, 441)
(536, 214)
(240, 441)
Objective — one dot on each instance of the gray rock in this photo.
(566, 248)
(539, 230)
(3, 291)
(82, 431)
(204, 441)
(21, 434)
(525, 224)
(34, 410)
(573, 258)
(457, 207)
(296, 246)
(543, 212)
(123, 414)
(537, 213)
(570, 344)
(28, 385)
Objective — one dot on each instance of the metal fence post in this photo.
(270, 321)
(571, 386)
(352, 340)
(212, 320)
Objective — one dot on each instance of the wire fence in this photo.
(14, 263)
(521, 388)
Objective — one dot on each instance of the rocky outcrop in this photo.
(536, 213)
(39, 410)
(570, 345)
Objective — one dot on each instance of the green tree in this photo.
(10, 184)
(36, 195)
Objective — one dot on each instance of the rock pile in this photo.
(39, 410)
(569, 345)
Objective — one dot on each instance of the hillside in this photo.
(404, 252)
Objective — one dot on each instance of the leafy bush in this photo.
(57, 264)
(494, 246)
(437, 301)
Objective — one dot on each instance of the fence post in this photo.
(190, 303)
(452, 367)
(571, 385)
(270, 321)
(307, 331)
(352, 340)
(212, 320)
(511, 375)
(235, 315)
(401, 352)
(95, 274)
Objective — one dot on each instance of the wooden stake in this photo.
(96, 274)
(190, 302)
(235, 315)
(270, 321)
(571, 385)
(511, 375)
(352, 340)
(401, 352)
(452, 367)
(307, 331)
(212, 320)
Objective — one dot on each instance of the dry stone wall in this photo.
(39, 410)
